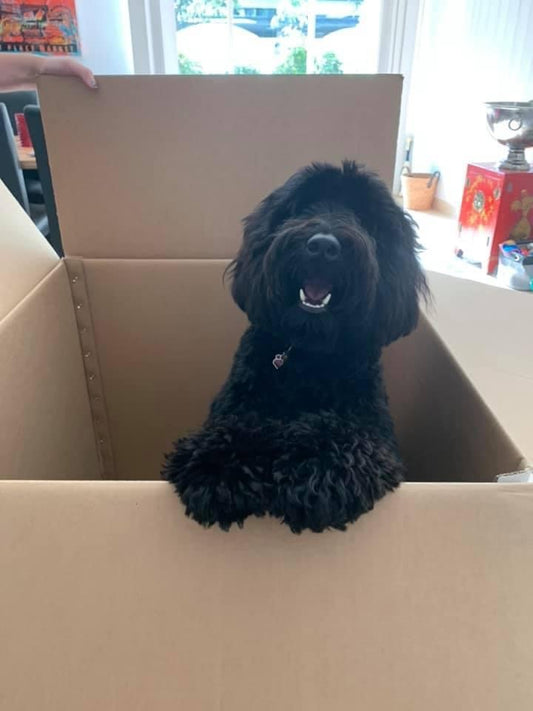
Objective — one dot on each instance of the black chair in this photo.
(11, 173)
(15, 102)
(35, 126)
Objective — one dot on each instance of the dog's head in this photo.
(330, 257)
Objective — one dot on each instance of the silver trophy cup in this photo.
(511, 124)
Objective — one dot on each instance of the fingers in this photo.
(87, 77)
(69, 67)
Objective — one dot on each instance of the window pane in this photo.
(277, 36)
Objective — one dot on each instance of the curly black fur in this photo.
(313, 442)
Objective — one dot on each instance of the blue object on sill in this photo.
(515, 265)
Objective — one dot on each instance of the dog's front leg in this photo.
(331, 472)
(223, 472)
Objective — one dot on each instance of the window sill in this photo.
(437, 233)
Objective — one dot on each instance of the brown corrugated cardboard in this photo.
(223, 140)
(110, 597)
(159, 369)
(163, 357)
(113, 600)
(25, 257)
(447, 432)
(46, 430)
(487, 329)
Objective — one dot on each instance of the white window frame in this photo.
(153, 32)
(399, 29)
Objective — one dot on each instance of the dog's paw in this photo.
(333, 487)
(216, 484)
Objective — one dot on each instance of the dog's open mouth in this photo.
(315, 296)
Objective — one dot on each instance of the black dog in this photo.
(328, 274)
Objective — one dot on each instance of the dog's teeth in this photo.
(314, 306)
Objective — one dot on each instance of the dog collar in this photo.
(281, 358)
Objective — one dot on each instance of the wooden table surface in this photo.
(26, 157)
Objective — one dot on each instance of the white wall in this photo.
(469, 51)
(105, 36)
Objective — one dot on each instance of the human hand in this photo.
(19, 71)
(65, 66)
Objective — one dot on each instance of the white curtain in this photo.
(468, 52)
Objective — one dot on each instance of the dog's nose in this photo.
(326, 246)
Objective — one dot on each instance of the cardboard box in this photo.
(110, 597)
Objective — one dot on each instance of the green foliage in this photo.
(329, 63)
(187, 66)
(296, 63)
(245, 70)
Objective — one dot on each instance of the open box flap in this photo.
(26, 256)
(167, 166)
(445, 429)
(489, 330)
(46, 430)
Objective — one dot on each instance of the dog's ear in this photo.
(247, 281)
(246, 269)
(401, 282)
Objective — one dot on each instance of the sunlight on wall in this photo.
(105, 36)
(468, 52)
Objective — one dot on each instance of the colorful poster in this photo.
(47, 26)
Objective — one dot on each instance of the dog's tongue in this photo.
(316, 290)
